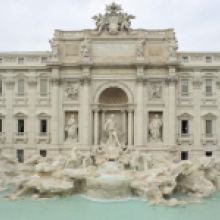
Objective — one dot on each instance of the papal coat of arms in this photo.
(113, 21)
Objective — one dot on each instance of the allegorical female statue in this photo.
(154, 126)
(71, 129)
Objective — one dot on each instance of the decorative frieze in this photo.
(10, 83)
(32, 82)
(171, 80)
(10, 59)
(197, 83)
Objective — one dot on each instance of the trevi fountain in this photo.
(113, 122)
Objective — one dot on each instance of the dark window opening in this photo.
(21, 125)
(185, 127)
(43, 153)
(184, 155)
(43, 126)
(208, 153)
(20, 156)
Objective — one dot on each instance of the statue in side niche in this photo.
(154, 127)
(71, 129)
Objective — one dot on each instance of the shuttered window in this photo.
(208, 86)
(43, 87)
(208, 126)
(20, 87)
(185, 86)
(0, 125)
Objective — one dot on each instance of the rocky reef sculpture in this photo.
(132, 173)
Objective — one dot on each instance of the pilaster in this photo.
(32, 84)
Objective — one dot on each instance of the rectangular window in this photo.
(43, 59)
(0, 125)
(185, 86)
(43, 87)
(208, 86)
(185, 127)
(1, 89)
(208, 59)
(43, 126)
(20, 156)
(208, 153)
(184, 155)
(208, 127)
(21, 125)
(20, 87)
(185, 60)
(21, 60)
(0, 61)
(43, 153)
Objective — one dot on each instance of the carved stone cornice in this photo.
(56, 81)
(85, 80)
(9, 83)
(197, 83)
(32, 82)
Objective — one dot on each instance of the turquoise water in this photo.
(80, 208)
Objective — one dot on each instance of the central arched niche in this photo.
(113, 96)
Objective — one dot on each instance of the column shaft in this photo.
(130, 128)
(96, 127)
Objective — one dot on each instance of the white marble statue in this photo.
(85, 48)
(173, 46)
(154, 127)
(140, 48)
(111, 128)
(71, 129)
(55, 48)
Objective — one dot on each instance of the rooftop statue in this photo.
(113, 21)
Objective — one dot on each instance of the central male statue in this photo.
(111, 129)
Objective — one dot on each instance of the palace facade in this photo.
(162, 99)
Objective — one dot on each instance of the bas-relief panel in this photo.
(113, 71)
(156, 71)
(120, 49)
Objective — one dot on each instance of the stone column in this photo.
(32, 84)
(218, 116)
(55, 82)
(86, 112)
(123, 114)
(96, 127)
(130, 127)
(9, 124)
(172, 110)
(140, 111)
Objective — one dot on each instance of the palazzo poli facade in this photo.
(159, 99)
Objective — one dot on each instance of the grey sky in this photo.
(27, 25)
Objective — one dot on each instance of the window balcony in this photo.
(185, 138)
(2, 137)
(43, 137)
(207, 138)
(209, 97)
(185, 97)
(20, 137)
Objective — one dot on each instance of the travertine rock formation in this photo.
(141, 174)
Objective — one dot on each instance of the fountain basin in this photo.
(109, 187)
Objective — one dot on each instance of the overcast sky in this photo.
(27, 25)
